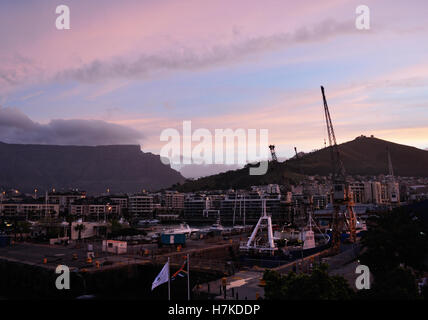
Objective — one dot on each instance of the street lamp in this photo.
(109, 211)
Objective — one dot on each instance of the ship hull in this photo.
(251, 259)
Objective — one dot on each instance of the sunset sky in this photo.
(129, 69)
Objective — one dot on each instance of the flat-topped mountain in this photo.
(120, 168)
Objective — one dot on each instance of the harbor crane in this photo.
(393, 192)
(272, 152)
(298, 162)
(297, 155)
(341, 192)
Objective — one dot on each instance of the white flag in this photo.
(162, 277)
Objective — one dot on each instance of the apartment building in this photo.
(174, 200)
(358, 192)
(122, 201)
(373, 192)
(94, 208)
(141, 204)
(65, 199)
(29, 210)
(195, 205)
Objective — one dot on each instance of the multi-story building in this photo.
(122, 201)
(35, 209)
(393, 191)
(247, 207)
(140, 204)
(95, 208)
(65, 199)
(358, 192)
(174, 200)
(195, 204)
(373, 192)
(320, 201)
(270, 188)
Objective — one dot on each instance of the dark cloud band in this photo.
(16, 127)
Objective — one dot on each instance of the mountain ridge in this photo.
(364, 156)
(120, 168)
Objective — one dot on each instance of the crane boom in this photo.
(341, 194)
(273, 153)
(338, 169)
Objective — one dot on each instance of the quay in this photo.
(248, 284)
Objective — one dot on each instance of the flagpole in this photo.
(169, 282)
(188, 278)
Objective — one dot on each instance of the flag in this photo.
(181, 272)
(162, 276)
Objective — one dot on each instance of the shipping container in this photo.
(173, 239)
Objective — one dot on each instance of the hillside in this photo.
(121, 168)
(361, 156)
(367, 156)
(277, 173)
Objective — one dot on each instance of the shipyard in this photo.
(213, 159)
(225, 239)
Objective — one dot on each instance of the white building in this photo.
(89, 229)
(373, 192)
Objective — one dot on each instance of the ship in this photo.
(184, 228)
(266, 249)
(217, 227)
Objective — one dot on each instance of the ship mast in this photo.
(265, 222)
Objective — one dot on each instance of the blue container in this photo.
(174, 239)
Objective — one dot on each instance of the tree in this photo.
(70, 220)
(116, 227)
(397, 238)
(318, 285)
(79, 228)
(396, 250)
(398, 284)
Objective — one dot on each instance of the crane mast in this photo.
(390, 168)
(341, 193)
(273, 153)
(393, 192)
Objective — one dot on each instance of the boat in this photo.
(266, 250)
(148, 222)
(261, 239)
(183, 228)
(217, 227)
